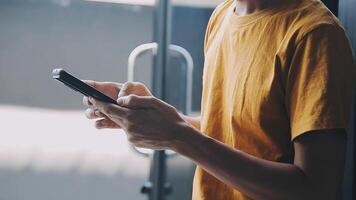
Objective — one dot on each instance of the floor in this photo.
(62, 152)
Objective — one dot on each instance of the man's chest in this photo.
(243, 80)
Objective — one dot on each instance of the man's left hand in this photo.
(148, 121)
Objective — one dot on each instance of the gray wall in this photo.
(348, 17)
(92, 40)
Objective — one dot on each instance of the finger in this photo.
(106, 124)
(105, 87)
(86, 101)
(138, 102)
(93, 113)
(136, 88)
(109, 109)
(127, 88)
(95, 84)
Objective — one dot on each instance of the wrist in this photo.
(186, 137)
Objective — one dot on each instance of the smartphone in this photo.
(79, 86)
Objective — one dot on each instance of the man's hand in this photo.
(148, 121)
(113, 90)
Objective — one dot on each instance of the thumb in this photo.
(94, 84)
(137, 102)
(109, 88)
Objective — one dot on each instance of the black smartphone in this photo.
(79, 86)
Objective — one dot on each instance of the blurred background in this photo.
(48, 150)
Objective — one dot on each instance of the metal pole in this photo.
(162, 34)
(163, 20)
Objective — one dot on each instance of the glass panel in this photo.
(189, 21)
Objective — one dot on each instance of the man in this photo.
(278, 83)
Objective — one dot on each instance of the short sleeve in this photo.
(321, 81)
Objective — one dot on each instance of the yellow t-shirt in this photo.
(270, 77)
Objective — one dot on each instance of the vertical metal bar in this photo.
(163, 20)
(159, 173)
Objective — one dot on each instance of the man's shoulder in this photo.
(310, 17)
(216, 20)
(219, 14)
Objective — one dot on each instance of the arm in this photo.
(315, 174)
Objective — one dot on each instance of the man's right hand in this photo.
(113, 90)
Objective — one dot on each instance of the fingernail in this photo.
(97, 113)
(120, 102)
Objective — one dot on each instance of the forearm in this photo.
(194, 121)
(258, 178)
